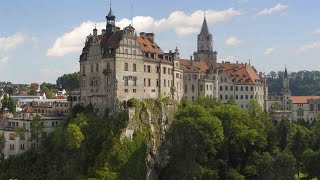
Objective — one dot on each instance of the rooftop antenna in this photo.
(131, 4)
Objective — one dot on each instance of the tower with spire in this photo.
(205, 45)
(111, 25)
(286, 93)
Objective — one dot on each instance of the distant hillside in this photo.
(302, 83)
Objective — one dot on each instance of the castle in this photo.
(118, 65)
(292, 107)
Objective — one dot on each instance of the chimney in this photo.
(142, 34)
(191, 60)
(237, 64)
(104, 31)
(150, 36)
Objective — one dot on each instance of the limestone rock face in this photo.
(158, 121)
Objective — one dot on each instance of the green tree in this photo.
(20, 132)
(311, 162)
(284, 165)
(196, 140)
(283, 130)
(69, 81)
(32, 92)
(37, 129)
(7, 102)
(74, 136)
(299, 143)
(2, 145)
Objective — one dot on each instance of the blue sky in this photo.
(42, 40)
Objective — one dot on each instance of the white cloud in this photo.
(11, 42)
(5, 59)
(279, 7)
(180, 22)
(316, 32)
(308, 47)
(269, 51)
(232, 41)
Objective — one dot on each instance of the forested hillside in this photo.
(302, 83)
(206, 140)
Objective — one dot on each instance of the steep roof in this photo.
(204, 28)
(239, 73)
(303, 99)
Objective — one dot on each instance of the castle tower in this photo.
(205, 45)
(111, 26)
(286, 93)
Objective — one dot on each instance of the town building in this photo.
(17, 144)
(295, 108)
(118, 65)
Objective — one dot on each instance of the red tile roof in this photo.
(240, 73)
(303, 99)
(28, 110)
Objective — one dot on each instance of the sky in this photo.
(42, 40)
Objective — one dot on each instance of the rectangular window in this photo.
(22, 146)
(149, 82)
(157, 82)
(158, 69)
(211, 87)
(231, 88)
(164, 83)
(169, 71)
(11, 146)
(177, 75)
(83, 70)
(126, 80)
(226, 97)
(126, 90)
(241, 88)
(251, 88)
(134, 67)
(236, 88)
(207, 87)
(134, 81)
(97, 67)
(192, 88)
(144, 81)
(52, 124)
(237, 96)
(134, 90)
(144, 68)
(91, 67)
(164, 70)
(221, 97)
(247, 88)
(126, 66)
(149, 69)
(226, 88)
(108, 81)
(220, 88)
(241, 96)
(246, 96)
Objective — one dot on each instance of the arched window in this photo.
(12, 136)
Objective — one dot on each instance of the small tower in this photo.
(95, 31)
(111, 27)
(205, 45)
(205, 42)
(286, 93)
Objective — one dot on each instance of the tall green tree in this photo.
(283, 131)
(37, 129)
(74, 136)
(2, 145)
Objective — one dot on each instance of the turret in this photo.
(111, 27)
